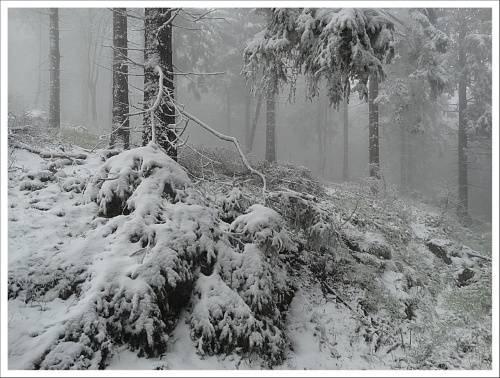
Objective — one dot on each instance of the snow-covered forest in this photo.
(280, 189)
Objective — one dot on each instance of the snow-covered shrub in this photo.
(29, 127)
(264, 227)
(140, 267)
(43, 175)
(222, 322)
(31, 185)
(73, 184)
(154, 241)
(232, 204)
(305, 215)
(34, 180)
(241, 306)
(288, 176)
(367, 242)
(121, 176)
(209, 162)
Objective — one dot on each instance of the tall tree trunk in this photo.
(463, 190)
(93, 77)
(228, 111)
(345, 172)
(93, 104)
(321, 138)
(55, 81)
(325, 125)
(271, 125)
(158, 51)
(410, 159)
(374, 159)
(404, 158)
(120, 122)
(254, 122)
(85, 94)
(248, 99)
(36, 101)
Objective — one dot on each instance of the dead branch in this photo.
(228, 139)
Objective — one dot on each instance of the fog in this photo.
(86, 55)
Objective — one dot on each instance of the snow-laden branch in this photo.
(168, 22)
(196, 120)
(157, 102)
(199, 73)
(228, 139)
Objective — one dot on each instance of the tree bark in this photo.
(374, 159)
(325, 127)
(85, 93)
(39, 83)
(93, 104)
(93, 33)
(248, 99)
(55, 80)
(345, 173)
(120, 122)
(158, 51)
(228, 111)
(271, 125)
(254, 122)
(404, 159)
(463, 189)
(321, 139)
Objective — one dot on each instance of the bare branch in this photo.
(228, 139)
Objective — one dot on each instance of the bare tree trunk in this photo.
(55, 80)
(39, 83)
(93, 104)
(228, 110)
(325, 125)
(345, 173)
(410, 159)
(254, 122)
(158, 49)
(85, 93)
(271, 125)
(463, 189)
(94, 45)
(120, 122)
(248, 99)
(321, 138)
(404, 159)
(374, 159)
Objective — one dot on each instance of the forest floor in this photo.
(394, 296)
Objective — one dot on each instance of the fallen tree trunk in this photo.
(50, 154)
(64, 155)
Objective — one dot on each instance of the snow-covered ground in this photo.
(327, 329)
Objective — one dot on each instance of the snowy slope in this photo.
(358, 322)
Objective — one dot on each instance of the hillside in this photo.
(131, 262)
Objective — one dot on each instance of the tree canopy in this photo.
(336, 44)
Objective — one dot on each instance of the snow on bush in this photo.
(232, 204)
(130, 173)
(136, 270)
(222, 322)
(305, 215)
(263, 226)
(252, 274)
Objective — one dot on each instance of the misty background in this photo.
(220, 100)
